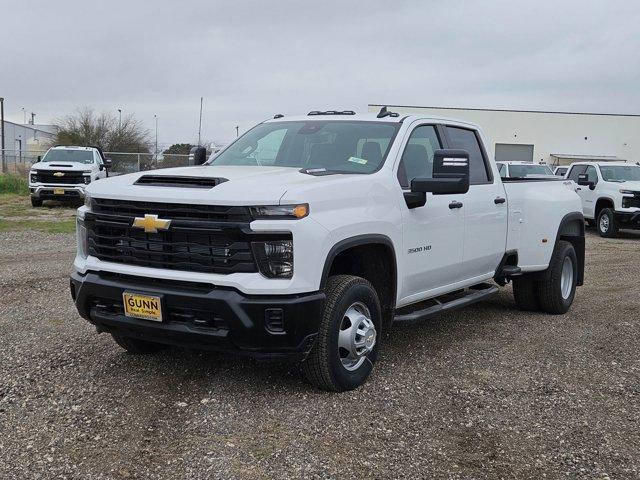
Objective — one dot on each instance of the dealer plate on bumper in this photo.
(147, 307)
(58, 191)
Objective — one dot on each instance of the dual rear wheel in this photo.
(551, 291)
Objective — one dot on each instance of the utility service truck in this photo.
(310, 236)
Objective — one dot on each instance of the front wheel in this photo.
(557, 287)
(36, 202)
(607, 224)
(347, 344)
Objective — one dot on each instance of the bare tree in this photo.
(104, 130)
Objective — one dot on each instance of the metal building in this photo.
(23, 141)
(556, 138)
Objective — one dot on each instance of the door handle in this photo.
(455, 204)
(499, 200)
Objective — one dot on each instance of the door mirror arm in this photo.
(415, 199)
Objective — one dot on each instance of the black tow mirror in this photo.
(583, 180)
(39, 158)
(450, 174)
(197, 156)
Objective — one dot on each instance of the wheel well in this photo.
(376, 263)
(603, 203)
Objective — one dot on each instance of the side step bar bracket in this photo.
(471, 296)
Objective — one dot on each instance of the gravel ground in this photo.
(486, 392)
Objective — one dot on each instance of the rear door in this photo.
(485, 208)
(432, 234)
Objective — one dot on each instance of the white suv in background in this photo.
(610, 193)
(63, 173)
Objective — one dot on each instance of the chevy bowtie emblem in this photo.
(58, 174)
(151, 223)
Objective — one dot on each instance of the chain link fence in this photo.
(20, 161)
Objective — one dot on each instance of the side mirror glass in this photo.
(39, 158)
(197, 156)
(450, 174)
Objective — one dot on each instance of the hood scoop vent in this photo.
(179, 181)
(60, 165)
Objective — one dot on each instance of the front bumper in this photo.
(45, 192)
(203, 316)
(629, 220)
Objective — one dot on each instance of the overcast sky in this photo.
(252, 59)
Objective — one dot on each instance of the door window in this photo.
(575, 171)
(417, 158)
(465, 139)
(593, 175)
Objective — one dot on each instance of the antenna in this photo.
(200, 124)
(386, 113)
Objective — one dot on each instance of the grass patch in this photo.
(14, 184)
(58, 226)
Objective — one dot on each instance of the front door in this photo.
(485, 209)
(432, 234)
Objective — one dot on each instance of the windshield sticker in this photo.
(360, 161)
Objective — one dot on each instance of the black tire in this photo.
(590, 222)
(525, 293)
(323, 367)
(136, 346)
(549, 288)
(36, 202)
(613, 228)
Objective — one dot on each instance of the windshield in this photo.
(74, 156)
(337, 146)
(524, 170)
(620, 173)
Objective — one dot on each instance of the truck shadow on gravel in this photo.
(202, 372)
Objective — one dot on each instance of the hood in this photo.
(629, 185)
(239, 185)
(62, 166)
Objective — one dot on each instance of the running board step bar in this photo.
(471, 296)
(510, 271)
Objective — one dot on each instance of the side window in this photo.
(502, 169)
(417, 158)
(575, 171)
(267, 147)
(467, 140)
(593, 175)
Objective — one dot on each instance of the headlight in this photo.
(627, 192)
(87, 199)
(33, 177)
(275, 259)
(81, 238)
(280, 211)
(87, 179)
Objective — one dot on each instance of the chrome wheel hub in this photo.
(566, 279)
(357, 336)
(604, 223)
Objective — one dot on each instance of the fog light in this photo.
(275, 259)
(274, 320)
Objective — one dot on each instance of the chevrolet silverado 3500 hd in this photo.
(309, 236)
(64, 172)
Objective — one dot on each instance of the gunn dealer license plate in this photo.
(58, 191)
(147, 307)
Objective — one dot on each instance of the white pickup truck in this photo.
(309, 236)
(64, 172)
(610, 194)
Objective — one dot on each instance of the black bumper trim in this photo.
(628, 219)
(240, 319)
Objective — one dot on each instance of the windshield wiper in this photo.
(320, 172)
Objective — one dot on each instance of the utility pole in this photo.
(200, 124)
(237, 130)
(33, 118)
(4, 162)
(155, 151)
(24, 116)
(119, 119)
